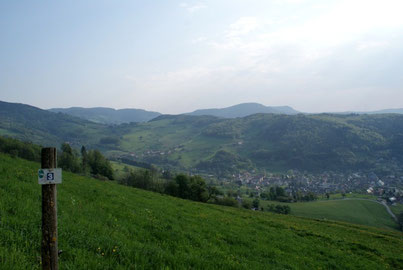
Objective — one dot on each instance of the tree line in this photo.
(183, 186)
(16, 148)
(191, 188)
(277, 193)
(255, 204)
(89, 162)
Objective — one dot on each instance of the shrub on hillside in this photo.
(16, 148)
(99, 164)
(68, 159)
(227, 201)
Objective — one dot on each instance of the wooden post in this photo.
(49, 214)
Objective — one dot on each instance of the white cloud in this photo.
(242, 26)
(289, 1)
(199, 40)
(310, 59)
(367, 45)
(265, 45)
(192, 8)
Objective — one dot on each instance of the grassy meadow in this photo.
(355, 211)
(397, 208)
(103, 225)
(121, 169)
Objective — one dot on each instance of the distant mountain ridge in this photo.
(105, 115)
(245, 109)
(399, 111)
(384, 111)
(109, 115)
(222, 146)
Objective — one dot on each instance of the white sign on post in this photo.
(49, 176)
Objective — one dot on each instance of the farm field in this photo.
(356, 211)
(397, 208)
(103, 225)
(338, 196)
(121, 169)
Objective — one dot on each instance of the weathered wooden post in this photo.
(48, 177)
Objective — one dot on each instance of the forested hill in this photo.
(109, 115)
(29, 123)
(276, 142)
(220, 146)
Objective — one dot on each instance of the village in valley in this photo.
(389, 188)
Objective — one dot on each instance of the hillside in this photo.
(109, 115)
(269, 141)
(244, 109)
(103, 225)
(29, 123)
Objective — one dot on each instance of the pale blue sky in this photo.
(178, 56)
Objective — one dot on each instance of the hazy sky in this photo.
(178, 56)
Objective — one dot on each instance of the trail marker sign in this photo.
(49, 176)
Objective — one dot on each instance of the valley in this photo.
(319, 153)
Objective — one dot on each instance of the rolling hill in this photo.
(109, 115)
(103, 225)
(29, 123)
(274, 142)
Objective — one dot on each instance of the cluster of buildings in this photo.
(389, 187)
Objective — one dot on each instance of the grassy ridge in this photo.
(106, 226)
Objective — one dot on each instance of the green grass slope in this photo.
(356, 211)
(397, 209)
(103, 225)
